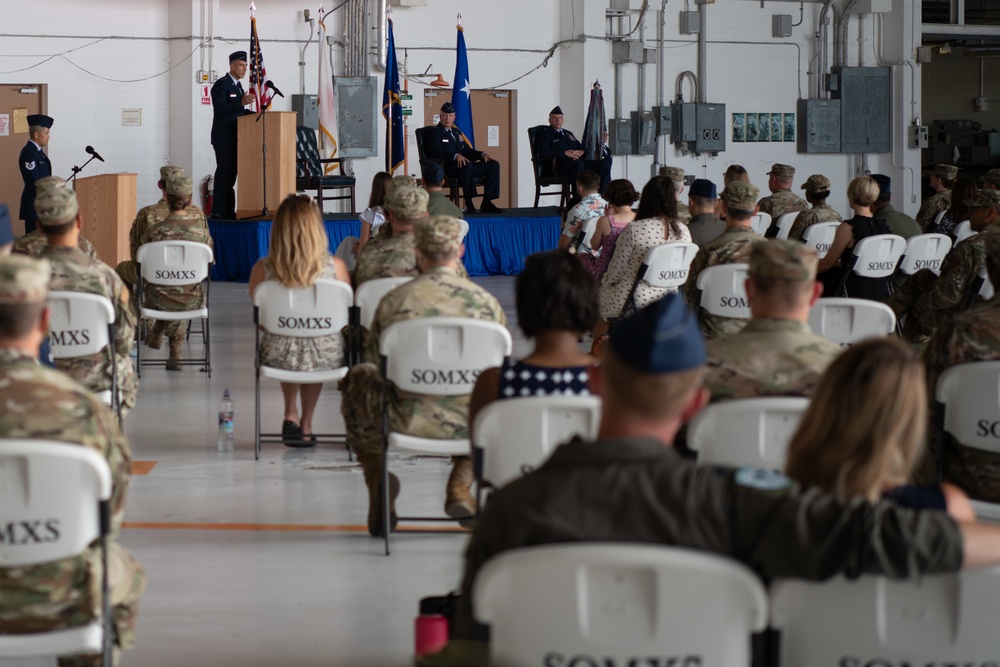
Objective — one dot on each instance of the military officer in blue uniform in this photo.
(34, 164)
(228, 100)
(560, 144)
(446, 142)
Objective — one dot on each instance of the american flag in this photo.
(258, 75)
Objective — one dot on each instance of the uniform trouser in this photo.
(127, 581)
(223, 195)
(901, 301)
(489, 171)
(174, 329)
(128, 271)
(573, 168)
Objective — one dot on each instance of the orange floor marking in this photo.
(284, 528)
(142, 467)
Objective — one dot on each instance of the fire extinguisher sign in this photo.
(206, 97)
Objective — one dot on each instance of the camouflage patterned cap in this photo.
(782, 170)
(673, 173)
(180, 185)
(816, 183)
(948, 171)
(787, 260)
(985, 199)
(438, 234)
(740, 195)
(398, 182)
(992, 177)
(47, 183)
(407, 202)
(24, 279)
(170, 171)
(57, 206)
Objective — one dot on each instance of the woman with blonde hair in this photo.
(864, 431)
(299, 255)
(861, 194)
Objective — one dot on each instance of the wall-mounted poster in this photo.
(777, 130)
(763, 127)
(739, 127)
(789, 127)
(752, 132)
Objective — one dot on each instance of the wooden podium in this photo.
(107, 204)
(279, 127)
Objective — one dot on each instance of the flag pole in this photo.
(388, 139)
(406, 129)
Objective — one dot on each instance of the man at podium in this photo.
(228, 100)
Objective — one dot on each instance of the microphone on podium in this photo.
(270, 85)
(90, 151)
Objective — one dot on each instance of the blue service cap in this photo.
(432, 171)
(447, 107)
(663, 337)
(238, 55)
(884, 183)
(704, 188)
(6, 233)
(40, 119)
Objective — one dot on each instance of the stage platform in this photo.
(496, 244)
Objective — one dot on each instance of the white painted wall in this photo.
(506, 40)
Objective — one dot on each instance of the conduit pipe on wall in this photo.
(842, 27)
(382, 34)
(702, 90)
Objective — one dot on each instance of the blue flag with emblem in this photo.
(392, 110)
(461, 94)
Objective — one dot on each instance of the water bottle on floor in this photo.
(227, 427)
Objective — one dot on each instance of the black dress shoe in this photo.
(469, 208)
(489, 207)
(291, 435)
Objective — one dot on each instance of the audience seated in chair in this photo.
(620, 196)
(438, 204)
(556, 304)
(438, 292)
(629, 486)
(32, 243)
(863, 434)
(298, 256)
(581, 220)
(40, 403)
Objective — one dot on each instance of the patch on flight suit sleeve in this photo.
(762, 480)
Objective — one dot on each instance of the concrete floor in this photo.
(268, 562)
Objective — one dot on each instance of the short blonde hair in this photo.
(863, 191)
(865, 426)
(299, 245)
(655, 396)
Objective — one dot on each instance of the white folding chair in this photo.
(82, 325)
(436, 356)
(968, 397)
(874, 257)
(962, 231)
(175, 264)
(982, 286)
(924, 251)
(366, 300)
(848, 321)
(464, 224)
(511, 436)
(784, 225)
(298, 312)
(820, 236)
(760, 223)
(723, 291)
(752, 432)
(54, 502)
(944, 619)
(615, 604)
(938, 218)
(665, 266)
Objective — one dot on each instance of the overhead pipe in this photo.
(702, 94)
(642, 65)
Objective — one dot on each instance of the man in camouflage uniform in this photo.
(182, 224)
(33, 243)
(973, 335)
(676, 174)
(817, 189)
(438, 204)
(731, 247)
(394, 257)
(898, 222)
(46, 404)
(941, 180)
(437, 292)
(73, 271)
(781, 200)
(991, 180)
(146, 218)
(776, 354)
(925, 301)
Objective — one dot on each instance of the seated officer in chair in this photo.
(557, 143)
(447, 143)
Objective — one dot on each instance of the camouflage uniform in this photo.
(782, 201)
(931, 207)
(925, 301)
(991, 180)
(806, 219)
(32, 245)
(46, 404)
(676, 174)
(733, 246)
(75, 272)
(683, 213)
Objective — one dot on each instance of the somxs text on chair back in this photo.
(924, 251)
(723, 290)
(820, 236)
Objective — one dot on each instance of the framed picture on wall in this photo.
(777, 131)
(789, 127)
(752, 133)
(739, 127)
(763, 127)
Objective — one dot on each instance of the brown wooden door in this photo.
(491, 109)
(12, 98)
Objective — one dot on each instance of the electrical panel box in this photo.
(699, 127)
(866, 123)
(357, 100)
(620, 136)
(873, 7)
(690, 23)
(306, 108)
(663, 120)
(781, 25)
(819, 126)
(627, 51)
(643, 133)
(918, 136)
